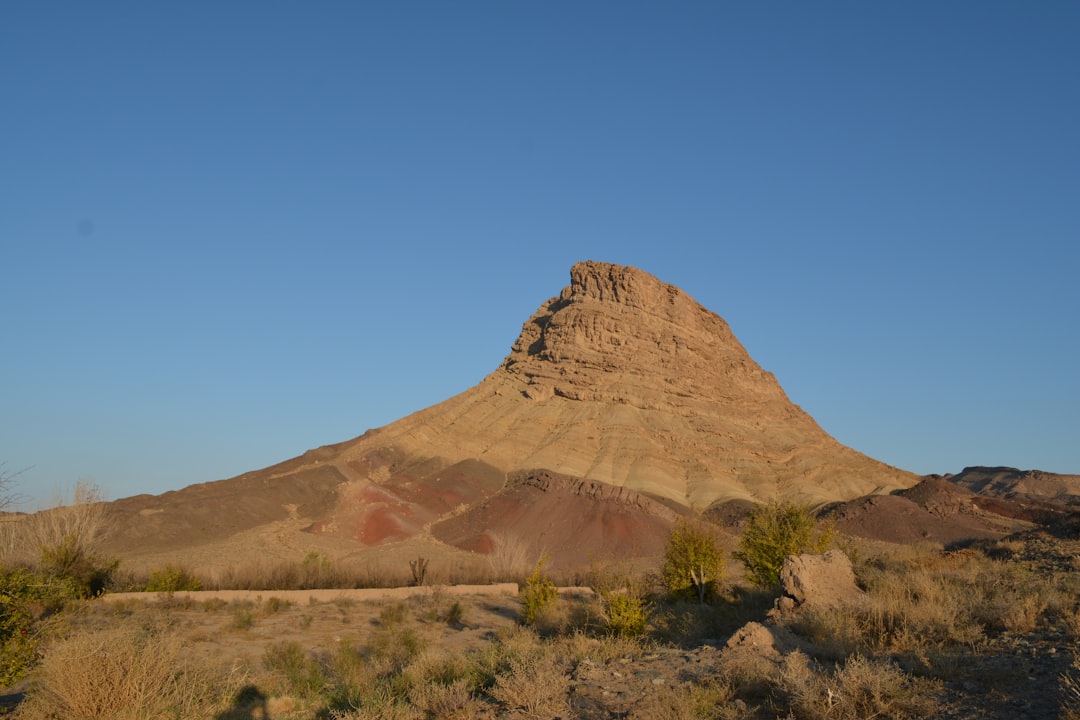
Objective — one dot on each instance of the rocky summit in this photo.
(622, 404)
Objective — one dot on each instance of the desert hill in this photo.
(1032, 485)
(622, 404)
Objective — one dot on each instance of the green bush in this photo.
(538, 595)
(26, 599)
(626, 613)
(172, 579)
(693, 562)
(18, 632)
(773, 532)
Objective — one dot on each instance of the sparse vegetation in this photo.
(856, 689)
(774, 531)
(298, 672)
(536, 685)
(243, 617)
(172, 579)
(126, 671)
(930, 617)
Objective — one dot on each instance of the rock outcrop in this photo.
(819, 582)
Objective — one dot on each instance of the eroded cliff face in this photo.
(617, 334)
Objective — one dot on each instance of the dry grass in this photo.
(710, 700)
(80, 519)
(1070, 691)
(511, 558)
(857, 689)
(318, 571)
(535, 685)
(125, 673)
(921, 603)
(427, 657)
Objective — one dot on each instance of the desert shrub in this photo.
(626, 614)
(172, 579)
(1070, 617)
(315, 571)
(440, 609)
(243, 617)
(1069, 682)
(125, 673)
(710, 700)
(69, 558)
(626, 611)
(773, 532)
(509, 560)
(19, 632)
(393, 648)
(493, 658)
(301, 674)
(393, 614)
(859, 688)
(441, 685)
(538, 595)
(915, 611)
(29, 604)
(693, 562)
(376, 680)
(439, 700)
(602, 649)
(351, 675)
(63, 541)
(535, 685)
(274, 605)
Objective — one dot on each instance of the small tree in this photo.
(773, 532)
(693, 561)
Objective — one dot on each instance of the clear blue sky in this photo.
(231, 232)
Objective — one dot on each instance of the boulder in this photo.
(818, 581)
